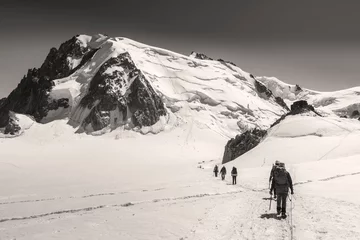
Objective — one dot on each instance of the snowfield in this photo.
(156, 182)
(125, 185)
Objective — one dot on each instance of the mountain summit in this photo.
(100, 83)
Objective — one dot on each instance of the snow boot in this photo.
(283, 215)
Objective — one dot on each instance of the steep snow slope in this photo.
(341, 103)
(119, 82)
(210, 91)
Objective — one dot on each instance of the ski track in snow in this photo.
(86, 209)
(84, 196)
(239, 214)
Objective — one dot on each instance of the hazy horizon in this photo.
(313, 44)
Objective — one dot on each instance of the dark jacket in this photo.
(223, 170)
(282, 188)
(216, 169)
(272, 172)
(234, 171)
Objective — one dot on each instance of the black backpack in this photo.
(280, 176)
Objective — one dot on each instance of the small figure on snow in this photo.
(234, 175)
(282, 182)
(223, 172)
(272, 176)
(216, 170)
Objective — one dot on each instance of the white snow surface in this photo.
(157, 182)
(126, 185)
(341, 103)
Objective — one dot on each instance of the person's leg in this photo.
(235, 179)
(278, 204)
(283, 205)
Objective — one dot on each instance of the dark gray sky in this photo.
(314, 43)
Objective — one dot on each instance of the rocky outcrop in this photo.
(281, 102)
(225, 61)
(262, 90)
(12, 127)
(56, 64)
(246, 141)
(297, 88)
(204, 57)
(242, 143)
(2, 102)
(31, 96)
(118, 92)
(297, 107)
(200, 56)
(355, 114)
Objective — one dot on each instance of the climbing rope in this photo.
(291, 217)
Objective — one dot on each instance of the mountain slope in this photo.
(344, 103)
(101, 83)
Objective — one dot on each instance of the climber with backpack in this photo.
(216, 170)
(223, 172)
(272, 176)
(234, 175)
(281, 181)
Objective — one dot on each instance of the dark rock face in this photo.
(125, 89)
(12, 127)
(297, 107)
(242, 143)
(300, 107)
(31, 96)
(281, 102)
(204, 57)
(262, 89)
(4, 118)
(355, 114)
(298, 88)
(201, 56)
(4, 115)
(2, 102)
(56, 63)
(225, 61)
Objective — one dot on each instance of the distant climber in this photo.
(272, 175)
(234, 175)
(282, 182)
(216, 170)
(223, 172)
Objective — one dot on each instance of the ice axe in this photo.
(270, 202)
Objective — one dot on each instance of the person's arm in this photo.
(272, 186)
(271, 173)
(290, 183)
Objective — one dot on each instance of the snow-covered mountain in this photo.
(100, 83)
(127, 184)
(343, 103)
